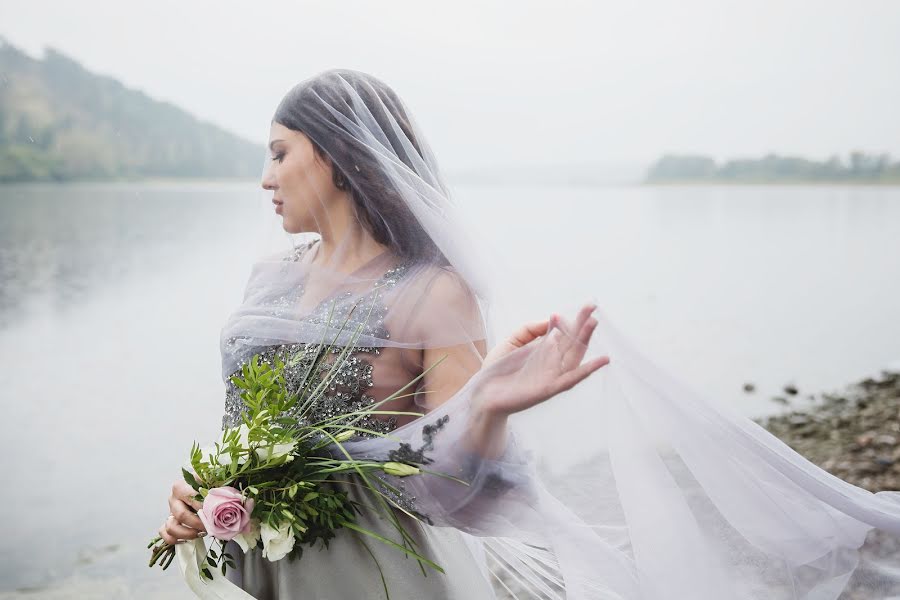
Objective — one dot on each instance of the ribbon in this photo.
(191, 558)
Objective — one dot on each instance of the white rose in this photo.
(267, 452)
(276, 542)
(247, 541)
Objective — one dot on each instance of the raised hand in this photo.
(523, 335)
(537, 362)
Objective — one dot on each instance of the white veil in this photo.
(676, 496)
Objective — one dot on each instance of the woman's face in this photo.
(303, 190)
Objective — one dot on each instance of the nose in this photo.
(268, 180)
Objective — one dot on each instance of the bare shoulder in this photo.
(445, 284)
(442, 308)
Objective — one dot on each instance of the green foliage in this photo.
(60, 122)
(294, 467)
(859, 167)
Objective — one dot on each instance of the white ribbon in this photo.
(191, 558)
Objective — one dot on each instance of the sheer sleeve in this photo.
(464, 488)
(535, 541)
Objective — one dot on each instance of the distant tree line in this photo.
(772, 168)
(60, 122)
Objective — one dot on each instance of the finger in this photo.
(179, 531)
(578, 348)
(563, 339)
(571, 378)
(571, 332)
(186, 516)
(529, 332)
(184, 492)
(165, 535)
(587, 330)
(583, 315)
(189, 500)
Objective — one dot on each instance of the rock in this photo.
(798, 420)
(868, 382)
(885, 440)
(853, 433)
(834, 399)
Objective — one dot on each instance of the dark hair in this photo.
(309, 107)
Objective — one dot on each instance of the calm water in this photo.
(112, 297)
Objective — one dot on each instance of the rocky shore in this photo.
(853, 434)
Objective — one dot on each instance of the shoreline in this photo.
(853, 433)
(772, 183)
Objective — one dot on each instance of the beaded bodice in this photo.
(349, 389)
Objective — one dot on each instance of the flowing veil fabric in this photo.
(673, 495)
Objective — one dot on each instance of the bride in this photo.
(673, 497)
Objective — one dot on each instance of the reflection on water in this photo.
(112, 297)
(61, 245)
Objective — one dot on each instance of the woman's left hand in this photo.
(553, 366)
(183, 522)
(523, 335)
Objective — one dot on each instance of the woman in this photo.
(677, 498)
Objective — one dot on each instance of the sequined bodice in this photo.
(351, 383)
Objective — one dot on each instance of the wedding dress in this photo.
(633, 486)
(351, 566)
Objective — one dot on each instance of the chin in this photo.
(293, 227)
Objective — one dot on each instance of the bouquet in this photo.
(275, 479)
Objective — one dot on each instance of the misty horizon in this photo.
(571, 84)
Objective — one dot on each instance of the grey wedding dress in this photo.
(352, 565)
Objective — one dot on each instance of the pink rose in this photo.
(225, 513)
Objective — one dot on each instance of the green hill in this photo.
(859, 167)
(60, 122)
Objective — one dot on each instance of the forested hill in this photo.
(859, 167)
(60, 122)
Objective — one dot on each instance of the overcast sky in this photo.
(518, 82)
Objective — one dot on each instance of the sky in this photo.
(518, 82)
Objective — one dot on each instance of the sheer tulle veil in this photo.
(670, 495)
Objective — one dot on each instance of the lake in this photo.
(112, 297)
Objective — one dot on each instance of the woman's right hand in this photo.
(183, 522)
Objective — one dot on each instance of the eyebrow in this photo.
(273, 142)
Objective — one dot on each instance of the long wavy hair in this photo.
(309, 108)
